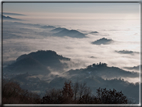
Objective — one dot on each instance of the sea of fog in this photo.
(28, 36)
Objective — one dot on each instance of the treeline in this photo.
(77, 93)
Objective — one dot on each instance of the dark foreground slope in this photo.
(70, 93)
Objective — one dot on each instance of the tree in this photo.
(67, 93)
(82, 87)
(110, 97)
(67, 90)
(55, 96)
(75, 89)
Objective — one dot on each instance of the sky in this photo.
(75, 10)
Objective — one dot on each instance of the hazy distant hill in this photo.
(9, 18)
(134, 67)
(102, 70)
(61, 32)
(102, 41)
(47, 26)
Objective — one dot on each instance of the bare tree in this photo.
(13, 94)
(82, 87)
(87, 91)
(75, 89)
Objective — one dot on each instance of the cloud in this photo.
(9, 18)
(37, 38)
(127, 52)
(28, 24)
(34, 25)
(8, 35)
(103, 41)
(17, 14)
(15, 30)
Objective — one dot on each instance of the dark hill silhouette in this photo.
(61, 32)
(102, 41)
(37, 62)
(44, 55)
(49, 58)
(27, 64)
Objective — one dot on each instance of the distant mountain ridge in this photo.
(9, 18)
(102, 70)
(38, 62)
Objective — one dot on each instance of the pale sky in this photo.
(75, 10)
